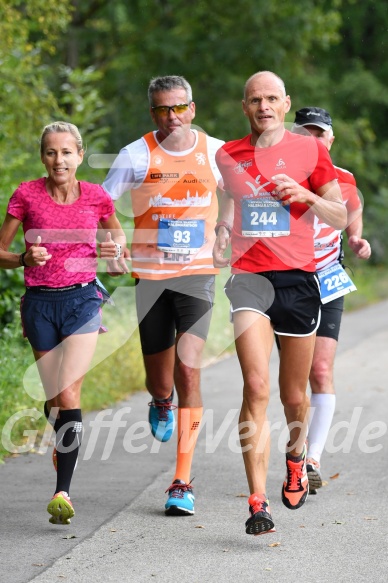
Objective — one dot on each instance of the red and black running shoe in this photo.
(295, 486)
(260, 520)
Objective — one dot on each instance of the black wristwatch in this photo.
(21, 259)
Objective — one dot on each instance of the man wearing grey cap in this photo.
(335, 283)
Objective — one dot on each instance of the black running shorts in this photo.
(331, 315)
(290, 299)
(173, 306)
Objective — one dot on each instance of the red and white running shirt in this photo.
(327, 241)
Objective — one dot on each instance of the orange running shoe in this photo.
(296, 485)
(260, 520)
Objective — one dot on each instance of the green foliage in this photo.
(36, 88)
(27, 31)
(81, 100)
(376, 227)
(221, 48)
(12, 288)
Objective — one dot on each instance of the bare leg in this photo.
(62, 369)
(254, 340)
(180, 364)
(187, 370)
(321, 375)
(295, 361)
(159, 370)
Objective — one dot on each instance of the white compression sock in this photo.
(322, 408)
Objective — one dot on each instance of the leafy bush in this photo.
(11, 289)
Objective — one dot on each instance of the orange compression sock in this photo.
(189, 420)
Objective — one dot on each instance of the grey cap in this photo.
(313, 116)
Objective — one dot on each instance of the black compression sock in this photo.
(68, 428)
(48, 413)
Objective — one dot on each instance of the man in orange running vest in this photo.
(173, 179)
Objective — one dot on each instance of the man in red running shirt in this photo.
(275, 183)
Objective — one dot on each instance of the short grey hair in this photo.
(168, 83)
(61, 127)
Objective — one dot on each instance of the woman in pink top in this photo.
(61, 309)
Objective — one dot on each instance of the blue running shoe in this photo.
(161, 418)
(180, 501)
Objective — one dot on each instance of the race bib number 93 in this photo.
(181, 236)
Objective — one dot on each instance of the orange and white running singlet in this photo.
(174, 206)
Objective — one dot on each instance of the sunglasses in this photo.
(165, 109)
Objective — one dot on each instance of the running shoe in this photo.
(260, 520)
(162, 419)
(60, 508)
(180, 501)
(313, 474)
(295, 486)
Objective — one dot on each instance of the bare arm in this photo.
(7, 234)
(36, 255)
(327, 203)
(223, 235)
(111, 235)
(360, 247)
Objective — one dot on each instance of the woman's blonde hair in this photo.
(61, 126)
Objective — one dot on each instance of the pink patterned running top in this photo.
(68, 231)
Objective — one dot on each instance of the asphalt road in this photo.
(120, 533)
